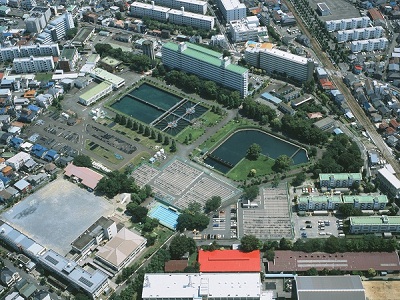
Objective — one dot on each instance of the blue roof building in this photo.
(271, 98)
(34, 108)
(38, 150)
(51, 155)
(5, 179)
(16, 142)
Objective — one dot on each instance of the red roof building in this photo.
(229, 261)
(86, 176)
(375, 14)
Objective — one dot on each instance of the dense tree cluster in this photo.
(212, 204)
(251, 192)
(347, 210)
(341, 155)
(254, 151)
(303, 130)
(282, 163)
(258, 111)
(136, 62)
(250, 243)
(181, 244)
(205, 88)
(82, 161)
(192, 218)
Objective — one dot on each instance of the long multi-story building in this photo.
(359, 34)
(56, 29)
(232, 10)
(374, 224)
(174, 16)
(389, 183)
(182, 17)
(369, 45)
(33, 64)
(345, 24)
(207, 64)
(246, 29)
(277, 61)
(339, 180)
(367, 202)
(311, 203)
(9, 53)
(195, 6)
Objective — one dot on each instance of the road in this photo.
(351, 101)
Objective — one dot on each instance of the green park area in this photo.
(101, 151)
(43, 76)
(262, 166)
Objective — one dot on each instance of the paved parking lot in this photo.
(300, 222)
(223, 225)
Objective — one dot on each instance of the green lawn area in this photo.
(210, 118)
(43, 76)
(100, 151)
(263, 166)
(196, 133)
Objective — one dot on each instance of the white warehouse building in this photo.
(274, 60)
(207, 64)
(369, 45)
(181, 17)
(33, 64)
(9, 53)
(232, 9)
(345, 24)
(246, 29)
(359, 34)
(102, 89)
(195, 6)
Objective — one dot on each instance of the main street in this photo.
(351, 101)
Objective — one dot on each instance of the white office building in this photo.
(139, 9)
(56, 29)
(359, 34)
(182, 17)
(345, 24)
(277, 61)
(207, 64)
(378, 224)
(247, 29)
(232, 9)
(389, 183)
(195, 6)
(221, 286)
(33, 64)
(369, 45)
(96, 93)
(9, 53)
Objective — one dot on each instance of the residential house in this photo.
(37, 179)
(8, 277)
(23, 186)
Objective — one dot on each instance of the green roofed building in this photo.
(374, 224)
(339, 180)
(95, 93)
(367, 202)
(311, 203)
(207, 64)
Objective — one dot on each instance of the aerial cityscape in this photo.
(189, 149)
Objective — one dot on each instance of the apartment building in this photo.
(139, 9)
(195, 6)
(9, 53)
(232, 10)
(359, 34)
(246, 29)
(207, 64)
(311, 203)
(339, 180)
(56, 29)
(345, 24)
(374, 224)
(182, 17)
(33, 64)
(389, 183)
(38, 18)
(284, 63)
(369, 45)
(367, 202)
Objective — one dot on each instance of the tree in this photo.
(254, 151)
(71, 33)
(180, 245)
(282, 163)
(311, 272)
(166, 140)
(250, 243)
(117, 118)
(131, 206)
(212, 204)
(141, 128)
(251, 192)
(173, 146)
(270, 255)
(159, 138)
(189, 221)
(116, 182)
(146, 131)
(129, 123)
(285, 244)
(82, 161)
(123, 120)
(139, 214)
(299, 179)
(371, 272)
(153, 135)
(135, 126)
(118, 15)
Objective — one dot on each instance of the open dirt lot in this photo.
(382, 290)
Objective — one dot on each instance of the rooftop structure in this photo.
(82, 36)
(339, 180)
(389, 182)
(229, 261)
(121, 249)
(96, 93)
(210, 285)
(86, 176)
(232, 9)
(374, 224)
(307, 203)
(103, 75)
(246, 29)
(206, 63)
(298, 261)
(139, 9)
(181, 17)
(92, 283)
(344, 24)
(195, 6)
(323, 9)
(329, 287)
(375, 202)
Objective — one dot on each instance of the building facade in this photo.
(96, 93)
(139, 9)
(367, 202)
(9, 53)
(33, 64)
(369, 45)
(389, 183)
(339, 180)
(207, 64)
(345, 24)
(232, 10)
(360, 34)
(284, 63)
(182, 17)
(374, 224)
(195, 6)
(148, 49)
(311, 203)
(56, 29)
